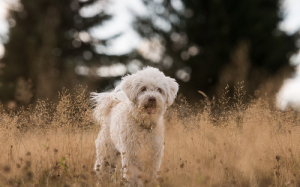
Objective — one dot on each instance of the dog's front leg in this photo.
(132, 173)
(157, 162)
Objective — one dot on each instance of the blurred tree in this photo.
(215, 43)
(48, 40)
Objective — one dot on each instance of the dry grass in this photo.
(218, 143)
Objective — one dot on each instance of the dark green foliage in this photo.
(234, 37)
(221, 26)
(44, 46)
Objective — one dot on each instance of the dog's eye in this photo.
(159, 90)
(143, 89)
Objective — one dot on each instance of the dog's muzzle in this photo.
(151, 105)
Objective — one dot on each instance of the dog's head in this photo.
(150, 90)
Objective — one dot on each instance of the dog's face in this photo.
(150, 90)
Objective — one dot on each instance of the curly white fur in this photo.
(132, 125)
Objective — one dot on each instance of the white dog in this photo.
(132, 125)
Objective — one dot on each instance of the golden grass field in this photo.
(214, 143)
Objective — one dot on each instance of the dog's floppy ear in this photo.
(172, 90)
(128, 86)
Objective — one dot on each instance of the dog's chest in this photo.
(145, 139)
(147, 147)
(142, 142)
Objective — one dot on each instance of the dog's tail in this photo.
(104, 102)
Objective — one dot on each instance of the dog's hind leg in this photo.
(107, 157)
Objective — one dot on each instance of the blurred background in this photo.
(205, 44)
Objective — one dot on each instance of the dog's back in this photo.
(105, 101)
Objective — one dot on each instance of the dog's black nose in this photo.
(152, 99)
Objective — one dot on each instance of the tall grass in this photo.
(221, 142)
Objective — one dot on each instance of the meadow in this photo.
(224, 142)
